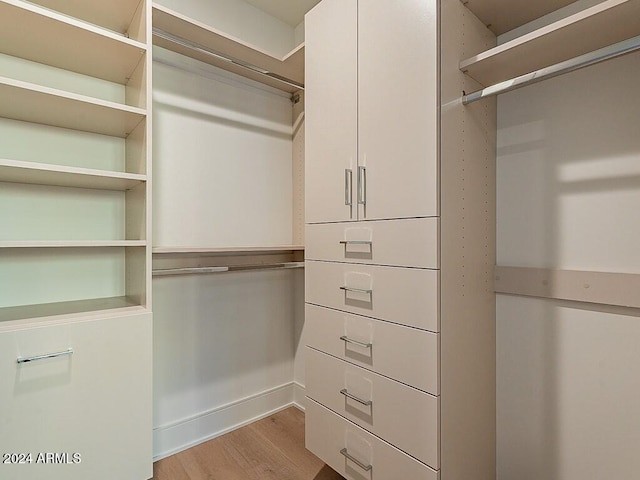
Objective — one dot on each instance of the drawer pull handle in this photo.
(355, 342)
(44, 357)
(366, 468)
(357, 290)
(356, 242)
(366, 403)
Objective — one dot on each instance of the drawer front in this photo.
(403, 416)
(96, 402)
(327, 434)
(406, 243)
(408, 296)
(393, 350)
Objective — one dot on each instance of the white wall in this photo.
(226, 347)
(568, 194)
(222, 156)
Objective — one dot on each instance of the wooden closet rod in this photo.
(220, 56)
(597, 56)
(228, 268)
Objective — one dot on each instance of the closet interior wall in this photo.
(567, 195)
(229, 155)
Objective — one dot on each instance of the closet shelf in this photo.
(502, 16)
(114, 15)
(227, 250)
(95, 306)
(63, 42)
(33, 103)
(72, 243)
(16, 171)
(221, 50)
(596, 27)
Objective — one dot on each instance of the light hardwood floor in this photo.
(269, 449)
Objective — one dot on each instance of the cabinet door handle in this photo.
(362, 185)
(356, 242)
(366, 468)
(357, 290)
(69, 351)
(366, 403)
(355, 342)
(348, 182)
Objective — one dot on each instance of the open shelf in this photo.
(95, 305)
(504, 15)
(115, 15)
(604, 24)
(72, 243)
(17, 171)
(291, 66)
(32, 103)
(63, 42)
(229, 250)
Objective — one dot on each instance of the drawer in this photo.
(401, 415)
(96, 402)
(327, 435)
(409, 242)
(408, 296)
(393, 350)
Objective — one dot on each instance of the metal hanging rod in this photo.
(597, 56)
(229, 268)
(220, 56)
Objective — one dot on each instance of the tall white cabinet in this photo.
(399, 243)
(75, 306)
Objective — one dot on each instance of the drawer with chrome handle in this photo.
(408, 296)
(355, 453)
(401, 415)
(386, 348)
(409, 242)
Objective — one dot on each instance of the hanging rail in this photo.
(228, 268)
(220, 56)
(597, 56)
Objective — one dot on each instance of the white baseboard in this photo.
(177, 436)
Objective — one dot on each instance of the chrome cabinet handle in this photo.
(356, 242)
(355, 342)
(366, 403)
(348, 182)
(44, 357)
(357, 290)
(366, 468)
(362, 185)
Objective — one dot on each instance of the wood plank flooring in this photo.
(269, 449)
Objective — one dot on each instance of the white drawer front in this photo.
(406, 243)
(327, 435)
(95, 402)
(403, 416)
(408, 296)
(394, 350)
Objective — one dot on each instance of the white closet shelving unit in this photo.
(75, 253)
(195, 39)
(111, 50)
(610, 26)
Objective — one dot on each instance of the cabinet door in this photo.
(85, 415)
(398, 108)
(331, 111)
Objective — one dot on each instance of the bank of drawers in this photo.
(372, 370)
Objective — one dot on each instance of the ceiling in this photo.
(289, 11)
